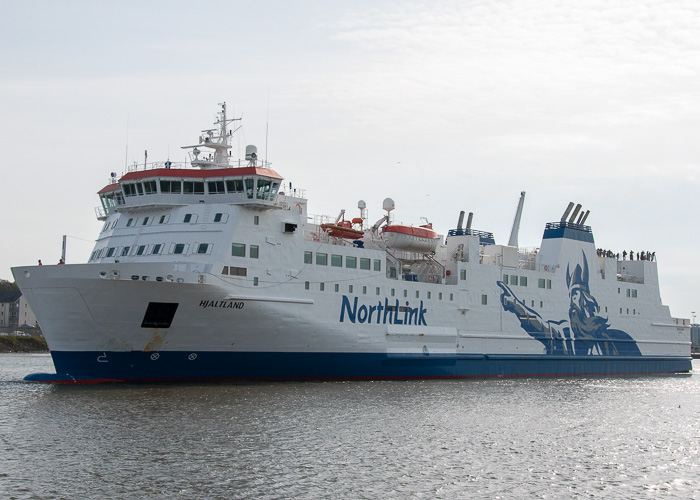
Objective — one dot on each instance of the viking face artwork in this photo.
(584, 333)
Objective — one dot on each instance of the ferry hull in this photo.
(90, 367)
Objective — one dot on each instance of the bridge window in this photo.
(216, 187)
(249, 186)
(234, 186)
(150, 187)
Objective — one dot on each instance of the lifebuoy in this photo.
(315, 236)
(300, 210)
(546, 268)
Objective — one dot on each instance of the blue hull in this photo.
(95, 367)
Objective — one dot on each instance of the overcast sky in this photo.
(443, 106)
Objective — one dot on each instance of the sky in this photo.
(441, 105)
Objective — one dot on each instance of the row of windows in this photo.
(631, 292)
(377, 291)
(153, 249)
(337, 261)
(164, 219)
(263, 189)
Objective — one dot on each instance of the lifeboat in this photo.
(415, 239)
(343, 229)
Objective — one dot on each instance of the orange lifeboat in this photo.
(415, 239)
(343, 229)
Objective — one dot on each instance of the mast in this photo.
(513, 241)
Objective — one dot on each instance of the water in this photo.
(557, 438)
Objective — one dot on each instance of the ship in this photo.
(214, 269)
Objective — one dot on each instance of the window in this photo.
(451, 296)
(405, 293)
(234, 186)
(336, 260)
(249, 183)
(255, 281)
(417, 294)
(188, 217)
(156, 249)
(393, 292)
(523, 281)
(139, 188)
(429, 294)
(110, 252)
(238, 249)
(321, 259)
(306, 285)
(484, 300)
(162, 219)
(322, 286)
(337, 287)
(125, 251)
(540, 283)
(505, 279)
(308, 257)
(377, 265)
(140, 249)
(350, 288)
(365, 263)
(628, 292)
(190, 187)
(129, 222)
(463, 274)
(256, 220)
(351, 262)
(377, 290)
(364, 290)
(217, 217)
(216, 187)
(513, 280)
(150, 187)
(634, 294)
(254, 251)
(145, 221)
(203, 247)
(179, 248)
(549, 284)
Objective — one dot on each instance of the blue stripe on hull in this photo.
(137, 365)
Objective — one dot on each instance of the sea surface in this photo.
(612, 438)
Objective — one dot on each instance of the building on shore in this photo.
(14, 310)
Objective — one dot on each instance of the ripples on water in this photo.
(557, 438)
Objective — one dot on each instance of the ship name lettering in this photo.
(381, 314)
(221, 304)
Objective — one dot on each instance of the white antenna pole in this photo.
(267, 124)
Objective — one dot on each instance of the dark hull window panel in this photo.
(159, 315)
